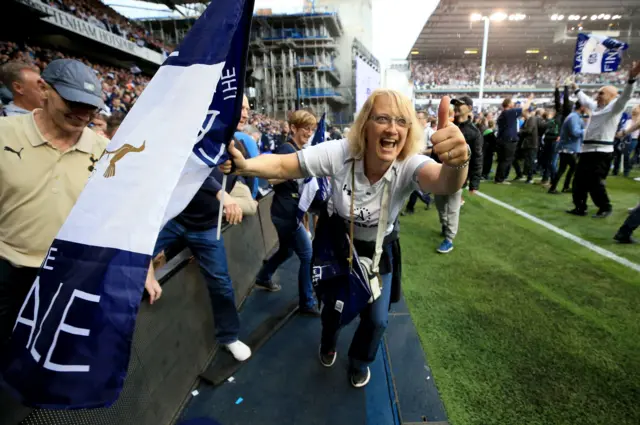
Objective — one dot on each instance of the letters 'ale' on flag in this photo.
(596, 54)
(314, 188)
(71, 342)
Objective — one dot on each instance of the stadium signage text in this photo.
(71, 23)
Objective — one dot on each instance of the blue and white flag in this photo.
(314, 188)
(596, 54)
(72, 340)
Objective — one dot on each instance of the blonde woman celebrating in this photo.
(372, 173)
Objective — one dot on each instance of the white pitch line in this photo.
(610, 255)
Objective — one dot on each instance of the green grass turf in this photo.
(534, 199)
(520, 325)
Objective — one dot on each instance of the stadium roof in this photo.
(172, 3)
(450, 31)
(157, 9)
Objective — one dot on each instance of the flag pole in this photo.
(483, 64)
(221, 210)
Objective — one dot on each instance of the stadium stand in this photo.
(467, 74)
(103, 16)
(120, 87)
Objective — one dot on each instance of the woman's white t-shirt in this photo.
(333, 159)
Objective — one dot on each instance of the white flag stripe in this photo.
(592, 55)
(217, 157)
(167, 121)
(307, 194)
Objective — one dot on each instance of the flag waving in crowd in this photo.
(597, 54)
(314, 188)
(71, 343)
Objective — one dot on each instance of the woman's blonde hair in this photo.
(401, 107)
(302, 119)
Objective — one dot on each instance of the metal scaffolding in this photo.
(292, 62)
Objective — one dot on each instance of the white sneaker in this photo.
(239, 350)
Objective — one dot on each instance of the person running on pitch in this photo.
(378, 163)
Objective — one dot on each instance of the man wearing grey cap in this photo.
(46, 157)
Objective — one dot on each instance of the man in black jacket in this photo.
(530, 133)
(464, 120)
(449, 205)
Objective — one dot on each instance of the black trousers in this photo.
(529, 155)
(487, 158)
(631, 223)
(618, 149)
(413, 198)
(567, 160)
(591, 173)
(506, 152)
(15, 283)
(548, 170)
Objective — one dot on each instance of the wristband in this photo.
(459, 167)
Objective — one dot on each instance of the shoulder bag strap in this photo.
(351, 223)
(383, 223)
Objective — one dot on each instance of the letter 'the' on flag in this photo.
(596, 54)
(71, 342)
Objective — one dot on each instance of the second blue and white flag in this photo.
(596, 54)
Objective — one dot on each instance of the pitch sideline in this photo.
(605, 253)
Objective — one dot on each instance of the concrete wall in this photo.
(357, 21)
(356, 17)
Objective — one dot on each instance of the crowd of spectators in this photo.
(120, 87)
(515, 95)
(467, 74)
(106, 18)
(501, 95)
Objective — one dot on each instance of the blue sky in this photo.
(396, 23)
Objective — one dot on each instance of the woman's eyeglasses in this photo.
(387, 120)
